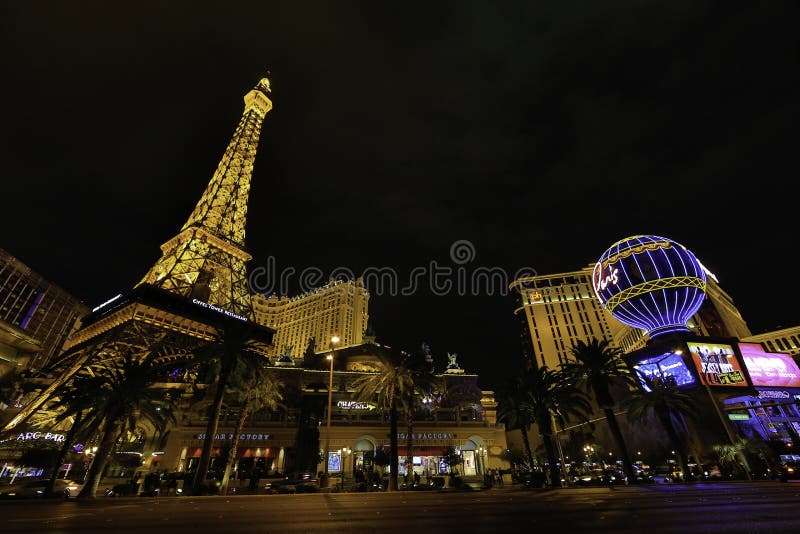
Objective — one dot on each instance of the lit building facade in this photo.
(466, 421)
(339, 308)
(557, 310)
(38, 315)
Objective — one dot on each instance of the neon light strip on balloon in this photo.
(669, 286)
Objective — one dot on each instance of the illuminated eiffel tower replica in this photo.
(197, 290)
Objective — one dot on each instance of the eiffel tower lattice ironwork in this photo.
(196, 291)
(207, 259)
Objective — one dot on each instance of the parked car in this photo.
(532, 479)
(642, 476)
(787, 471)
(290, 482)
(667, 475)
(600, 477)
(32, 489)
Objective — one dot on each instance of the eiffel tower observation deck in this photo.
(196, 290)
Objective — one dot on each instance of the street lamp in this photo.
(91, 453)
(329, 357)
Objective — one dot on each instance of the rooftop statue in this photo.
(286, 357)
(452, 361)
(452, 366)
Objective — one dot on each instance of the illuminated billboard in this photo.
(769, 368)
(334, 461)
(668, 366)
(717, 364)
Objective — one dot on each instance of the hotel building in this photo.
(339, 308)
(465, 419)
(557, 310)
(36, 316)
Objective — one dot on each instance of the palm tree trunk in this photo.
(552, 460)
(613, 424)
(223, 489)
(100, 459)
(62, 453)
(526, 442)
(409, 445)
(677, 442)
(546, 428)
(211, 429)
(393, 463)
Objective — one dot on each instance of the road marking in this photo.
(55, 518)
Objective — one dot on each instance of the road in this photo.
(733, 507)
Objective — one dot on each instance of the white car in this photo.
(27, 489)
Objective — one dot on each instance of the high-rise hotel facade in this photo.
(36, 316)
(557, 310)
(339, 308)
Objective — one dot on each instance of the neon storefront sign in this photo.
(242, 437)
(218, 309)
(43, 436)
(354, 405)
(427, 435)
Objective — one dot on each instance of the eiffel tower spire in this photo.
(207, 260)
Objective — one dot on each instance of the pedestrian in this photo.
(499, 477)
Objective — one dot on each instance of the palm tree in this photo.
(727, 455)
(420, 383)
(551, 397)
(124, 397)
(258, 390)
(600, 367)
(78, 403)
(514, 410)
(234, 347)
(753, 447)
(387, 387)
(670, 406)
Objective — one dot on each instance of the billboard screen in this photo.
(717, 364)
(668, 366)
(334, 461)
(769, 368)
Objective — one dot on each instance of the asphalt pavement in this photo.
(759, 507)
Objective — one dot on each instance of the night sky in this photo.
(541, 132)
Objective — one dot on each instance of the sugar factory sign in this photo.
(428, 435)
(354, 405)
(242, 437)
(44, 436)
